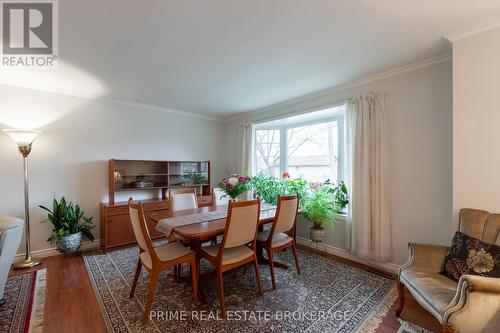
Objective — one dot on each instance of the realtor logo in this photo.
(29, 33)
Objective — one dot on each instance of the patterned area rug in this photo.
(407, 327)
(24, 303)
(326, 297)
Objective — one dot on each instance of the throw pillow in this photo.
(469, 255)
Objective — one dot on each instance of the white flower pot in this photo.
(317, 235)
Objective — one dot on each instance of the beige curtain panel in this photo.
(367, 150)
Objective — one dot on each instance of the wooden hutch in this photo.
(156, 178)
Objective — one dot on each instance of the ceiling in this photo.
(223, 57)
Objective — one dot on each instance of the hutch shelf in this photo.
(155, 177)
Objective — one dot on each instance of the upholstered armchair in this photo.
(11, 231)
(470, 306)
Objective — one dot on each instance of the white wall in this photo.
(419, 105)
(476, 122)
(70, 157)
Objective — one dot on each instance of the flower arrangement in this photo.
(234, 185)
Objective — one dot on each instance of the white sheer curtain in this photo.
(367, 158)
(246, 134)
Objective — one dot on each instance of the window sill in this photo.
(341, 217)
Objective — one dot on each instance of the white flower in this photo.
(233, 181)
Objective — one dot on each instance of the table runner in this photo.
(167, 225)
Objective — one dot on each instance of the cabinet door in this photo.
(119, 231)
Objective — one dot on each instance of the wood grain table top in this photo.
(209, 229)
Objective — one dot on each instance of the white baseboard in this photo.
(87, 245)
(389, 267)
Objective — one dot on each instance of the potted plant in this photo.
(235, 186)
(69, 224)
(268, 187)
(320, 210)
(340, 194)
(341, 197)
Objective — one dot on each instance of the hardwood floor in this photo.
(71, 306)
(70, 302)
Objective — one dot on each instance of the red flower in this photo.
(241, 179)
(286, 175)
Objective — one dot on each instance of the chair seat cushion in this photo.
(231, 254)
(166, 252)
(468, 255)
(433, 290)
(279, 239)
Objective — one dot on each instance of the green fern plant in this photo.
(320, 208)
(67, 220)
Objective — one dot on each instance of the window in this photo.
(308, 146)
(268, 151)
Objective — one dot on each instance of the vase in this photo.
(317, 234)
(69, 244)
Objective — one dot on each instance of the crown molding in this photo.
(91, 96)
(473, 31)
(349, 85)
(152, 107)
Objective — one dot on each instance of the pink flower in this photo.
(314, 186)
(241, 179)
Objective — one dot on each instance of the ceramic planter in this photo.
(317, 234)
(69, 244)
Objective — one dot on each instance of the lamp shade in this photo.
(22, 137)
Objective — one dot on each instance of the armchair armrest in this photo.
(475, 307)
(428, 258)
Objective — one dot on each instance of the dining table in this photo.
(207, 223)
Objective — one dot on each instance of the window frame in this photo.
(339, 118)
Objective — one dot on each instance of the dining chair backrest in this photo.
(286, 213)
(218, 197)
(183, 199)
(242, 223)
(139, 226)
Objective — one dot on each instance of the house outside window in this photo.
(310, 146)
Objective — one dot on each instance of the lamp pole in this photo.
(28, 261)
(24, 140)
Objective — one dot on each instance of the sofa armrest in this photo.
(428, 258)
(475, 307)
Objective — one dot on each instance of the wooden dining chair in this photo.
(182, 199)
(157, 259)
(218, 197)
(281, 235)
(238, 245)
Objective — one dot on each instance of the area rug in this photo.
(24, 303)
(407, 327)
(327, 297)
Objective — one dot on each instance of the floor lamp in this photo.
(24, 139)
